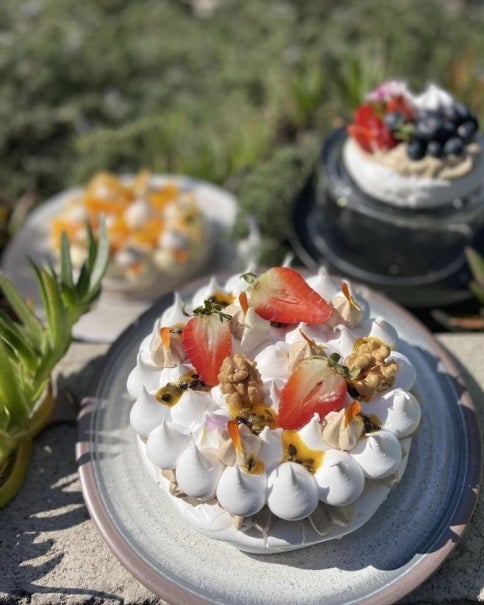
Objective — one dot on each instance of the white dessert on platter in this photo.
(415, 151)
(276, 412)
(156, 230)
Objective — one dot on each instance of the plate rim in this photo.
(404, 584)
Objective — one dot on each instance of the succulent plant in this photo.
(475, 321)
(476, 264)
(30, 348)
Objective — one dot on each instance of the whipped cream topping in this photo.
(246, 466)
(386, 184)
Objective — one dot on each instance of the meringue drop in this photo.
(205, 292)
(241, 493)
(379, 454)
(311, 434)
(381, 329)
(293, 493)
(397, 410)
(323, 284)
(165, 444)
(271, 449)
(406, 374)
(147, 413)
(174, 314)
(191, 406)
(197, 473)
(340, 479)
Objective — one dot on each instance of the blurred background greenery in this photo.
(240, 93)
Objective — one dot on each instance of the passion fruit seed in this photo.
(170, 393)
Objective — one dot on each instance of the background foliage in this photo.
(239, 93)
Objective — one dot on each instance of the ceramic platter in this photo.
(407, 539)
(112, 314)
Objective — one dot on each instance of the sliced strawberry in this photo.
(312, 387)
(400, 104)
(281, 295)
(370, 131)
(207, 342)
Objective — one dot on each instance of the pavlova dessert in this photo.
(414, 150)
(156, 230)
(274, 410)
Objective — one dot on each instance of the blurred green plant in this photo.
(30, 349)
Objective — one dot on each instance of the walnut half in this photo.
(241, 382)
(375, 371)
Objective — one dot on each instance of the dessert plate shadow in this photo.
(113, 313)
(407, 539)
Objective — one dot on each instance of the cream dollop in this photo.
(433, 98)
(271, 448)
(273, 361)
(147, 413)
(165, 444)
(197, 473)
(406, 374)
(191, 407)
(397, 410)
(341, 432)
(137, 213)
(379, 454)
(175, 313)
(311, 434)
(166, 347)
(241, 493)
(293, 493)
(206, 291)
(340, 479)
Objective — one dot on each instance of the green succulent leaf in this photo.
(13, 335)
(101, 259)
(33, 326)
(476, 264)
(31, 348)
(12, 395)
(66, 263)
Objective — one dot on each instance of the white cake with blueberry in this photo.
(274, 410)
(415, 150)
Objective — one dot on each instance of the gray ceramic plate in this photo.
(406, 540)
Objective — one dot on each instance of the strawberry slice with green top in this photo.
(282, 295)
(207, 340)
(315, 385)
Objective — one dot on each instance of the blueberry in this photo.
(416, 149)
(435, 149)
(445, 131)
(454, 146)
(393, 120)
(467, 130)
(427, 127)
(461, 113)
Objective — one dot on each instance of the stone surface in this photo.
(51, 551)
